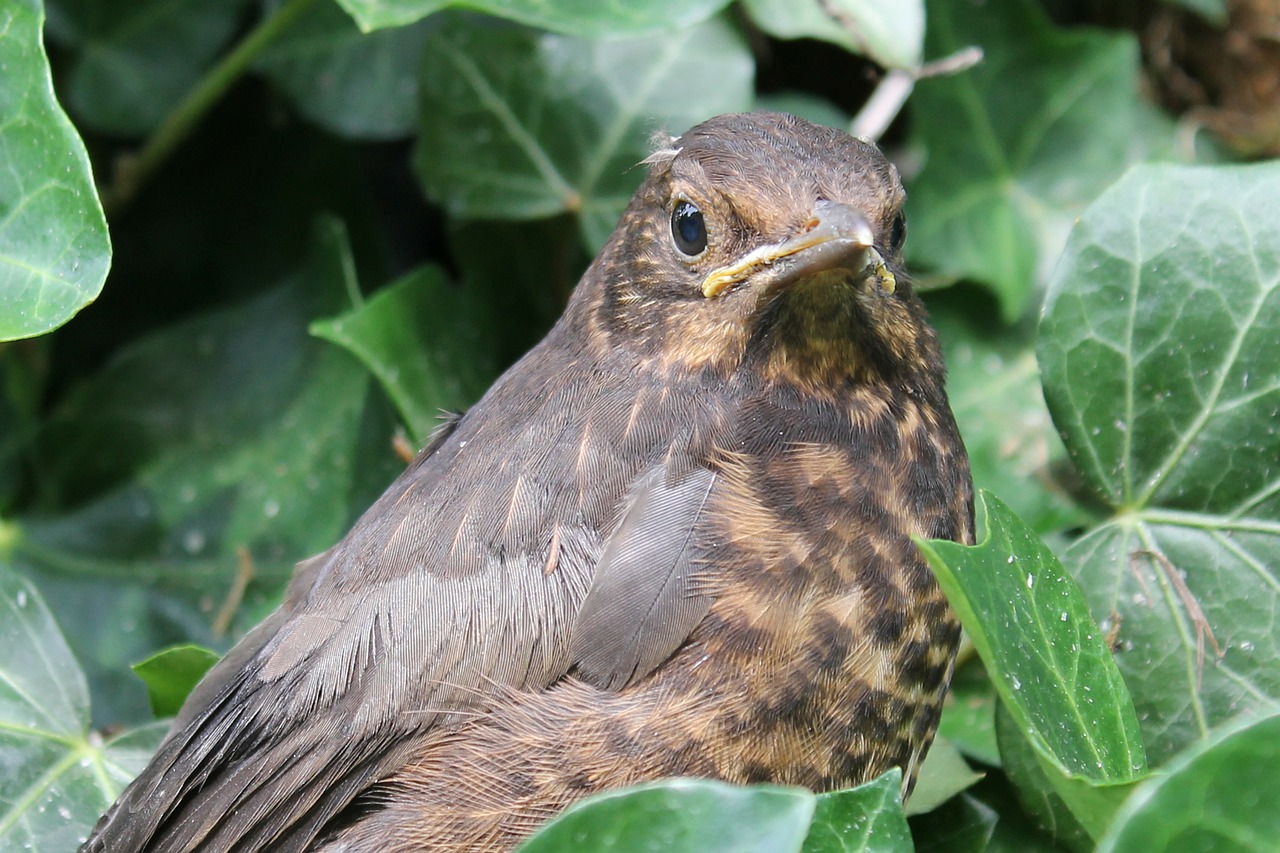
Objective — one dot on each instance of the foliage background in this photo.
(324, 221)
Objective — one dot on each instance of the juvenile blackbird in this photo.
(674, 539)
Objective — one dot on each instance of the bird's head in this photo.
(761, 238)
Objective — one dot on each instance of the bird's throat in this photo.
(809, 336)
(829, 332)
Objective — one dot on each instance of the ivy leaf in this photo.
(135, 61)
(1162, 370)
(682, 815)
(363, 86)
(565, 16)
(59, 777)
(890, 33)
(171, 674)
(54, 249)
(866, 818)
(1222, 794)
(522, 125)
(704, 815)
(426, 342)
(1014, 831)
(1047, 658)
(1034, 787)
(1017, 145)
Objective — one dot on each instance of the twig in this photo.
(235, 595)
(886, 101)
(133, 171)
(1198, 620)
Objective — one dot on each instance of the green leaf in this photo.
(1047, 658)
(54, 249)
(573, 17)
(866, 818)
(1017, 145)
(943, 774)
(361, 86)
(134, 61)
(520, 124)
(1222, 794)
(171, 674)
(1035, 788)
(682, 815)
(202, 463)
(1162, 369)
(428, 343)
(58, 775)
(890, 33)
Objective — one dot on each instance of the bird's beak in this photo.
(837, 236)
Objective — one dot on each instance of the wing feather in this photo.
(642, 604)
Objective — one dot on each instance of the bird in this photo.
(677, 538)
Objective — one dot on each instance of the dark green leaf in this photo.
(964, 824)
(358, 85)
(58, 775)
(1017, 145)
(1221, 795)
(682, 815)
(429, 344)
(54, 249)
(890, 33)
(1162, 369)
(866, 818)
(566, 16)
(1014, 831)
(134, 61)
(519, 124)
(170, 675)
(1046, 656)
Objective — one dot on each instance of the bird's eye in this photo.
(898, 233)
(688, 230)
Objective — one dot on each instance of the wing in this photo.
(643, 604)
(463, 581)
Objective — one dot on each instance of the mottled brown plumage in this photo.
(674, 539)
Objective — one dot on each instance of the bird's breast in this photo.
(828, 646)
